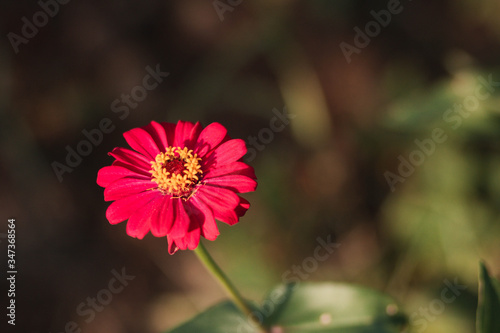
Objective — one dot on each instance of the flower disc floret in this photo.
(176, 171)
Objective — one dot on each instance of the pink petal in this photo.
(236, 183)
(228, 152)
(122, 209)
(109, 174)
(190, 240)
(181, 243)
(157, 132)
(183, 133)
(229, 217)
(141, 141)
(196, 218)
(242, 207)
(132, 158)
(172, 246)
(140, 222)
(163, 218)
(236, 168)
(209, 228)
(169, 132)
(138, 170)
(181, 220)
(125, 187)
(209, 138)
(223, 202)
(193, 238)
(193, 136)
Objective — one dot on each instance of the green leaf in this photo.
(334, 308)
(488, 319)
(307, 307)
(221, 318)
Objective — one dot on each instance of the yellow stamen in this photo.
(176, 171)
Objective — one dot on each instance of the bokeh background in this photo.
(324, 174)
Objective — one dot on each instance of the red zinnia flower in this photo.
(180, 178)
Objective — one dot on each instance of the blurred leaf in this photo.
(221, 318)
(488, 319)
(435, 217)
(323, 307)
(335, 308)
(419, 110)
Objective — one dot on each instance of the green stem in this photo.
(220, 276)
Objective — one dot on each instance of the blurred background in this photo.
(349, 164)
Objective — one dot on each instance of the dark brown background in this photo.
(322, 175)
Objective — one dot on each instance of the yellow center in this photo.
(176, 171)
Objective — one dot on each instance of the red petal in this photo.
(223, 202)
(109, 174)
(142, 142)
(193, 238)
(140, 222)
(172, 246)
(169, 132)
(236, 168)
(157, 132)
(236, 183)
(209, 228)
(122, 209)
(183, 133)
(132, 158)
(242, 207)
(125, 187)
(228, 152)
(209, 138)
(193, 136)
(138, 170)
(163, 219)
(190, 240)
(181, 220)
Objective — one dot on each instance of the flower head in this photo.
(176, 181)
